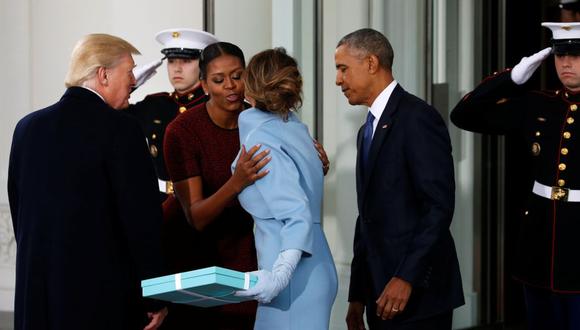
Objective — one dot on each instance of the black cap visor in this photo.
(566, 47)
(181, 53)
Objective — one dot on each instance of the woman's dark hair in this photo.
(273, 80)
(216, 50)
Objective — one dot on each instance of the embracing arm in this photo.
(201, 211)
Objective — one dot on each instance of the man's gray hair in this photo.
(370, 42)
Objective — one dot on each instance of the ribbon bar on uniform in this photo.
(556, 193)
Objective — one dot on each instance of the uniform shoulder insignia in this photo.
(495, 74)
(548, 93)
(160, 94)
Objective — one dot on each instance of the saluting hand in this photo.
(528, 65)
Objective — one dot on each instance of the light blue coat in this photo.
(285, 205)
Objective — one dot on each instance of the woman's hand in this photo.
(323, 157)
(249, 165)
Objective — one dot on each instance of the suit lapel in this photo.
(382, 131)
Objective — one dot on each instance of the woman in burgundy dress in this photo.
(200, 145)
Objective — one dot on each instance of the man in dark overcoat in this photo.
(84, 202)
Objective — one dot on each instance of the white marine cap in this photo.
(565, 37)
(184, 43)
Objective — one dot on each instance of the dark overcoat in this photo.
(86, 215)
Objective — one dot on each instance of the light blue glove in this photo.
(528, 65)
(270, 284)
(143, 73)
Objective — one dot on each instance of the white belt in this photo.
(165, 186)
(556, 193)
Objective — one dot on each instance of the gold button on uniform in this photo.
(190, 96)
(538, 133)
(570, 120)
(561, 183)
(562, 167)
(564, 151)
(182, 109)
(154, 136)
(573, 107)
(567, 135)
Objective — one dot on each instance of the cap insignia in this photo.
(175, 34)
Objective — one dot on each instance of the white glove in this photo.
(142, 73)
(528, 65)
(270, 284)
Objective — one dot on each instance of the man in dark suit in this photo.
(84, 202)
(404, 270)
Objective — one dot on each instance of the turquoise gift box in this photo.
(206, 287)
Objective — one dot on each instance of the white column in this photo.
(248, 24)
(463, 152)
(440, 42)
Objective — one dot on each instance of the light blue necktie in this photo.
(367, 138)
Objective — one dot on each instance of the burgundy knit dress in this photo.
(196, 146)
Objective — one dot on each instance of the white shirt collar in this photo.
(92, 90)
(380, 103)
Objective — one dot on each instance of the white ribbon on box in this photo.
(179, 287)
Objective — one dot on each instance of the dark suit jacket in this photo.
(406, 199)
(86, 215)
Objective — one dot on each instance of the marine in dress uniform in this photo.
(548, 244)
(156, 111)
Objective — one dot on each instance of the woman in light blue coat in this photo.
(297, 280)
